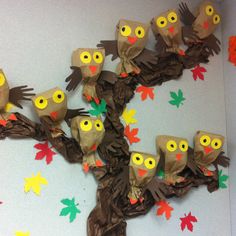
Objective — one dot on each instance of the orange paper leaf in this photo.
(145, 92)
(164, 208)
(131, 134)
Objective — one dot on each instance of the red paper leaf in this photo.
(45, 151)
(232, 49)
(188, 221)
(198, 72)
(131, 134)
(164, 208)
(145, 92)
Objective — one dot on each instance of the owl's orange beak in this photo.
(54, 115)
(171, 29)
(94, 147)
(208, 150)
(179, 156)
(205, 25)
(141, 172)
(93, 69)
(132, 40)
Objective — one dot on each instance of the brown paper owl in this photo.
(142, 168)
(168, 31)
(11, 96)
(174, 150)
(88, 132)
(87, 64)
(132, 37)
(207, 147)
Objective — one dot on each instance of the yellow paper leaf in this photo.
(128, 116)
(19, 233)
(34, 183)
(8, 107)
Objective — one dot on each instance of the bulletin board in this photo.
(36, 43)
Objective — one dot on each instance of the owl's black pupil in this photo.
(137, 158)
(162, 22)
(172, 145)
(216, 144)
(172, 18)
(97, 56)
(183, 146)
(150, 162)
(204, 140)
(41, 101)
(86, 123)
(210, 10)
(85, 56)
(98, 125)
(139, 32)
(59, 95)
(123, 29)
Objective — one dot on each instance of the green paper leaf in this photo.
(70, 209)
(222, 179)
(161, 174)
(177, 98)
(98, 109)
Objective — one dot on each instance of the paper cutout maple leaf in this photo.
(164, 208)
(98, 109)
(19, 233)
(131, 135)
(145, 92)
(70, 209)
(198, 72)
(188, 221)
(222, 179)
(128, 116)
(178, 98)
(34, 183)
(45, 151)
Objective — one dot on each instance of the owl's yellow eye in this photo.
(137, 159)
(85, 57)
(41, 102)
(216, 19)
(58, 96)
(161, 22)
(2, 79)
(125, 30)
(183, 146)
(205, 140)
(140, 32)
(171, 145)
(98, 57)
(98, 125)
(150, 163)
(209, 10)
(216, 143)
(86, 125)
(172, 17)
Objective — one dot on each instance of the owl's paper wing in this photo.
(161, 45)
(20, 93)
(190, 161)
(189, 33)
(110, 48)
(212, 44)
(147, 58)
(108, 76)
(74, 78)
(71, 113)
(186, 15)
(222, 160)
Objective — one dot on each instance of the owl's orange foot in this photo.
(3, 123)
(136, 71)
(88, 97)
(96, 100)
(123, 75)
(182, 52)
(99, 163)
(12, 117)
(141, 199)
(206, 172)
(133, 201)
(86, 167)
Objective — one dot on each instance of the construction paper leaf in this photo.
(178, 98)
(34, 183)
(131, 135)
(128, 116)
(45, 151)
(70, 209)
(161, 173)
(164, 208)
(98, 109)
(8, 107)
(222, 179)
(232, 49)
(198, 72)
(20, 233)
(145, 92)
(188, 221)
